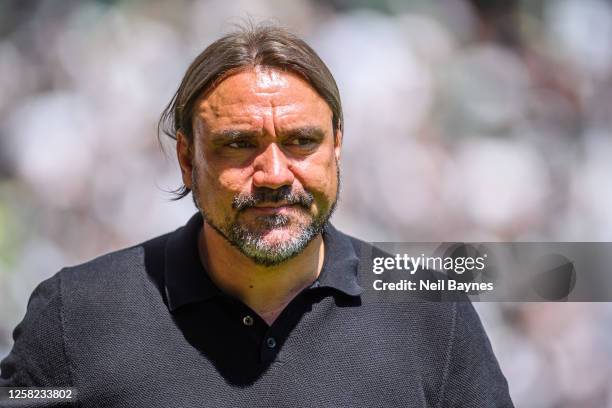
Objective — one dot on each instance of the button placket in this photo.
(270, 345)
(271, 342)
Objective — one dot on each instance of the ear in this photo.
(338, 144)
(184, 153)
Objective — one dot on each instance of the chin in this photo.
(279, 235)
(271, 244)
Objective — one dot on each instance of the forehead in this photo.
(258, 94)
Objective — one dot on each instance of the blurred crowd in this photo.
(466, 120)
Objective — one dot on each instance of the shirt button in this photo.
(247, 320)
(270, 342)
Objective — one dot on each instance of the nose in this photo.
(272, 168)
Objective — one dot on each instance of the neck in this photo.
(265, 289)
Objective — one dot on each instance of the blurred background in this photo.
(466, 120)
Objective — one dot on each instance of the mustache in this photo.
(284, 194)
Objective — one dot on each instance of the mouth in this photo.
(274, 208)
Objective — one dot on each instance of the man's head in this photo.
(258, 124)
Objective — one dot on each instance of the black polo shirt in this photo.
(146, 327)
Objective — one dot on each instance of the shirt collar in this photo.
(340, 264)
(186, 280)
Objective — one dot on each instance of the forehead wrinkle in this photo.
(222, 114)
(257, 97)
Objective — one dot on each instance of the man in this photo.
(256, 301)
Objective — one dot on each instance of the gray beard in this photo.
(253, 244)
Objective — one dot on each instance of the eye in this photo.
(240, 144)
(301, 141)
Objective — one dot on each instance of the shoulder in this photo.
(441, 314)
(114, 268)
(113, 281)
(38, 355)
(111, 265)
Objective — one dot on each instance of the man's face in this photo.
(263, 165)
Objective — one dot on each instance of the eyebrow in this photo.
(231, 135)
(311, 132)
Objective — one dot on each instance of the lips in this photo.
(273, 209)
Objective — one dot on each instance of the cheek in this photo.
(318, 174)
(217, 189)
(226, 182)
